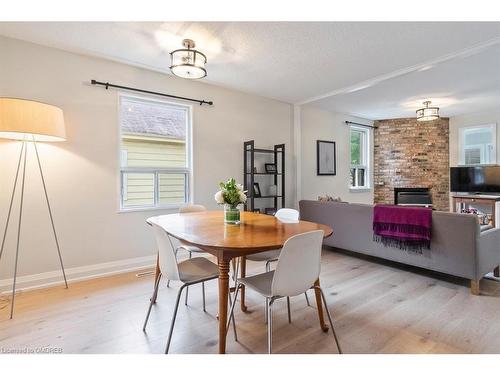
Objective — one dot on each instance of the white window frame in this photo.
(187, 171)
(365, 156)
(462, 147)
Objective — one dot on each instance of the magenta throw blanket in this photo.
(408, 228)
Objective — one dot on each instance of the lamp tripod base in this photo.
(22, 157)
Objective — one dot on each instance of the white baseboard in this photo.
(52, 278)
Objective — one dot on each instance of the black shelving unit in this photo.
(258, 156)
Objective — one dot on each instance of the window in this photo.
(359, 152)
(478, 144)
(155, 149)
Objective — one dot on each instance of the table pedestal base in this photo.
(223, 296)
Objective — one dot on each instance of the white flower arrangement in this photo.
(231, 193)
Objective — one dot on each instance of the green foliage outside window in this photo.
(355, 148)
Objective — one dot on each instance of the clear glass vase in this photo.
(231, 214)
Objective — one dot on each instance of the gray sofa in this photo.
(458, 246)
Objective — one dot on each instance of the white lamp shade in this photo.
(29, 120)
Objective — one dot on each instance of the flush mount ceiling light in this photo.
(427, 113)
(188, 62)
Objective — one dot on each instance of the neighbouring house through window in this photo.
(359, 153)
(155, 149)
(478, 144)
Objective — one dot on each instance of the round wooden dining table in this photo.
(256, 233)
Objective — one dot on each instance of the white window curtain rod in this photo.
(108, 85)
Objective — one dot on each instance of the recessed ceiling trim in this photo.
(398, 73)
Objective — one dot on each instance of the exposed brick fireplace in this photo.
(411, 154)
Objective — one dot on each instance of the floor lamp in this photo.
(29, 122)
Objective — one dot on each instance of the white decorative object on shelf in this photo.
(273, 190)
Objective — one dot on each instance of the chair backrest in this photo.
(192, 208)
(287, 214)
(299, 264)
(185, 210)
(166, 253)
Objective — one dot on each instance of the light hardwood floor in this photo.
(378, 307)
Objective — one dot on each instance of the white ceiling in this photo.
(370, 69)
(464, 84)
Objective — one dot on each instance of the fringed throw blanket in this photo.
(408, 228)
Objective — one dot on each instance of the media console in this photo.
(489, 203)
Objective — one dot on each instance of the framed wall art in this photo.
(326, 158)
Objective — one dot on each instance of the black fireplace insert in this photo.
(411, 196)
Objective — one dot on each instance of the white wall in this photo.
(82, 174)
(471, 119)
(317, 124)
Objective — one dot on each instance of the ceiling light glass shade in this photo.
(427, 113)
(188, 62)
(29, 120)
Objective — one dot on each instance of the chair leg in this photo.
(168, 281)
(268, 264)
(237, 269)
(187, 288)
(268, 268)
(307, 299)
(231, 312)
(151, 302)
(265, 310)
(155, 293)
(331, 322)
(173, 318)
(270, 325)
(203, 292)
(289, 312)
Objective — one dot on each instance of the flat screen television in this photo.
(480, 179)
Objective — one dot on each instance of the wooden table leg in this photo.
(223, 296)
(496, 271)
(157, 275)
(243, 270)
(319, 305)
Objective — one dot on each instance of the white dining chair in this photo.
(188, 272)
(286, 215)
(298, 267)
(190, 249)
